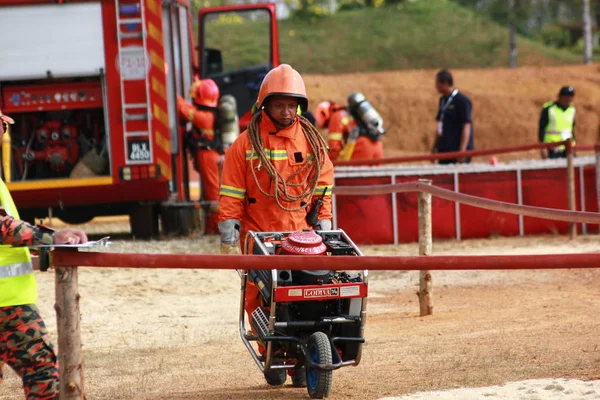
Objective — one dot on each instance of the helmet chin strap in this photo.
(277, 123)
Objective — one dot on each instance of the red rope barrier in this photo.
(67, 258)
(480, 202)
(455, 155)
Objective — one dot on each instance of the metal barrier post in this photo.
(69, 335)
(425, 249)
(571, 186)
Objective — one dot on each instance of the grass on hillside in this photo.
(419, 34)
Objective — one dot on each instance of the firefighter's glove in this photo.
(230, 231)
(322, 225)
(230, 249)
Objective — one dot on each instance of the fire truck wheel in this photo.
(276, 377)
(75, 218)
(143, 220)
(318, 382)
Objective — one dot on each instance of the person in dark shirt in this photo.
(557, 123)
(455, 124)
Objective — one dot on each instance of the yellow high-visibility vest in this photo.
(560, 124)
(17, 281)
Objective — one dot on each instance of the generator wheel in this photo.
(276, 377)
(318, 382)
(143, 220)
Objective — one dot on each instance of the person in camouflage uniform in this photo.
(24, 342)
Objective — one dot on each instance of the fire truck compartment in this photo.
(38, 47)
(59, 130)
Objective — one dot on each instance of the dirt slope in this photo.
(506, 103)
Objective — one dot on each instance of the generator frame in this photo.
(265, 363)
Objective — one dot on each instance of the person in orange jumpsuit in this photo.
(274, 173)
(205, 144)
(339, 123)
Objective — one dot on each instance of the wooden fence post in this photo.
(571, 186)
(69, 335)
(425, 249)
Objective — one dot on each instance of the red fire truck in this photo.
(92, 86)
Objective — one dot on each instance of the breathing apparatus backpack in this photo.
(228, 120)
(226, 126)
(366, 116)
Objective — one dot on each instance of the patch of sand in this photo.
(172, 334)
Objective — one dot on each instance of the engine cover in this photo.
(304, 244)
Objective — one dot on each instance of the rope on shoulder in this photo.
(284, 189)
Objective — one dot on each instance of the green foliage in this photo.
(412, 34)
(417, 34)
(555, 36)
(578, 47)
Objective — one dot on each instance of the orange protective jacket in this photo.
(202, 120)
(242, 200)
(340, 125)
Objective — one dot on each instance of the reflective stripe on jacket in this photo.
(17, 281)
(241, 199)
(560, 124)
(340, 124)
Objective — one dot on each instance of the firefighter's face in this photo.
(283, 109)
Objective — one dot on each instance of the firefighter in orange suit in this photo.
(204, 143)
(366, 145)
(275, 172)
(338, 122)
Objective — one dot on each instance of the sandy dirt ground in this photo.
(172, 334)
(574, 389)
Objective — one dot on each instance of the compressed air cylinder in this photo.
(360, 107)
(230, 129)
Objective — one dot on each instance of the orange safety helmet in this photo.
(283, 81)
(323, 114)
(205, 92)
(6, 118)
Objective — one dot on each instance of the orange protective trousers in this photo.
(209, 177)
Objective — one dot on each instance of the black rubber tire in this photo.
(76, 218)
(319, 381)
(143, 220)
(299, 378)
(276, 377)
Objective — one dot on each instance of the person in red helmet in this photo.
(273, 175)
(205, 144)
(347, 139)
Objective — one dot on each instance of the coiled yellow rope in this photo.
(309, 172)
